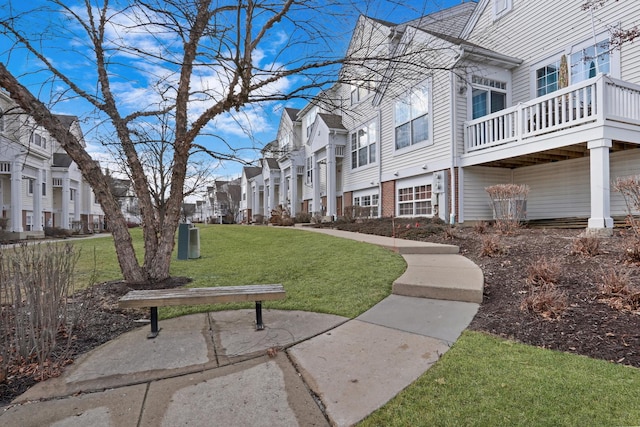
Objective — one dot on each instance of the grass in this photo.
(320, 273)
(480, 381)
(486, 381)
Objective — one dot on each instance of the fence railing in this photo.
(599, 98)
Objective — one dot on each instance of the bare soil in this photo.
(581, 317)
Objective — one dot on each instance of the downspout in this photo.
(379, 154)
(454, 150)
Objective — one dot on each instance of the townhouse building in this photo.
(498, 92)
(40, 186)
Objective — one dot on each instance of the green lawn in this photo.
(481, 381)
(487, 381)
(320, 273)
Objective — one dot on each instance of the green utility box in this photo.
(188, 241)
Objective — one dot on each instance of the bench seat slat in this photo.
(196, 296)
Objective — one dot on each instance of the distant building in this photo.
(40, 186)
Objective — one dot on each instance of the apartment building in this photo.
(498, 92)
(40, 186)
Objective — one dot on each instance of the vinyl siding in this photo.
(556, 190)
(476, 201)
(535, 31)
(438, 149)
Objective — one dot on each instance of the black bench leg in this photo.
(154, 323)
(259, 324)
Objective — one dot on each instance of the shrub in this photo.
(480, 227)
(543, 272)
(303, 217)
(629, 187)
(509, 203)
(281, 217)
(492, 246)
(57, 232)
(34, 282)
(258, 219)
(546, 301)
(618, 292)
(588, 246)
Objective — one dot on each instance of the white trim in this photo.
(507, 6)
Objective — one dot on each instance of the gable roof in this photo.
(473, 20)
(332, 121)
(292, 113)
(251, 171)
(449, 22)
(61, 160)
(272, 163)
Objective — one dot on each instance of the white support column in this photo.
(77, 210)
(66, 198)
(265, 197)
(317, 201)
(285, 198)
(15, 221)
(37, 202)
(272, 195)
(331, 181)
(600, 222)
(293, 190)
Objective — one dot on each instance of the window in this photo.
(360, 91)
(309, 119)
(415, 201)
(72, 194)
(30, 184)
(547, 78)
(589, 61)
(366, 206)
(309, 170)
(487, 96)
(28, 223)
(1, 120)
(501, 8)
(363, 145)
(412, 118)
(44, 182)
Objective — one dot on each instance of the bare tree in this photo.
(185, 64)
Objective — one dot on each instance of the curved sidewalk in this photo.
(305, 369)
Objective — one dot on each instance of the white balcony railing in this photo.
(599, 98)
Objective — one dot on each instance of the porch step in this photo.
(439, 276)
(571, 223)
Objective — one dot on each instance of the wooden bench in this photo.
(155, 298)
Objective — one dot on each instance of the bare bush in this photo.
(615, 283)
(618, 292)
(586, 245)
(632, 250)
(480, 227)
(509, 203)
(543, 271)
(35, 281)
(281, 216)
(546, 301)
(492, 246)
(629, 187)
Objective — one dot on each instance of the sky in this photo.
(132, 78)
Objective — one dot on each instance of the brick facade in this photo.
(388, 199)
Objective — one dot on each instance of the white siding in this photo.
(623, 163)
(537, 30)
(476, 201)
(556, 190)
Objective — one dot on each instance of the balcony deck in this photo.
(556, 126)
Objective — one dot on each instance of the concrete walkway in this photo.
(304, 369)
